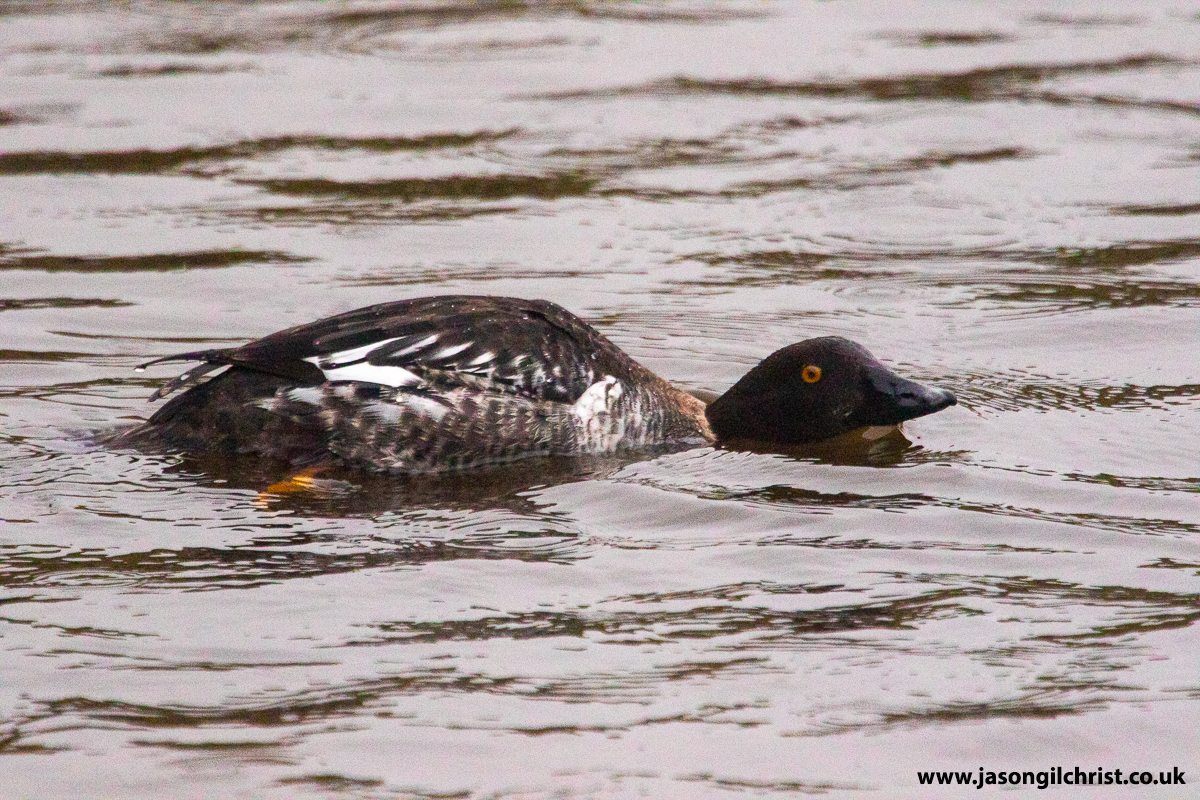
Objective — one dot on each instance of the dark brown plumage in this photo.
(457, 381)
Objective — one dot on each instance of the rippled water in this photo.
(1002, 200)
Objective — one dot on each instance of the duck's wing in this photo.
(533, 348)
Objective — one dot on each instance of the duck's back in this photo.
(423, 385)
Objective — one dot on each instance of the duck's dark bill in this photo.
(892, 399)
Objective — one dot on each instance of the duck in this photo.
(455, 382)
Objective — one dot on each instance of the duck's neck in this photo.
(694, 408)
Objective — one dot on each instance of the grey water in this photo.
(999, 199)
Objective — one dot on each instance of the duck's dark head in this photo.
(817, 389)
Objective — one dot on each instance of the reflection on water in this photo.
(998, 200)
(156, 262)
(989, 83)
(193, 160)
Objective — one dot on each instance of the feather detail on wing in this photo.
(531, 348)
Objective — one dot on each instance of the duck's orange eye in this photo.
(811, 374)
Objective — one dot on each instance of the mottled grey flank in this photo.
(402, 430)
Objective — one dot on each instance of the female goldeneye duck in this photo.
(441, 383)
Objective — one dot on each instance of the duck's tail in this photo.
(210, 361)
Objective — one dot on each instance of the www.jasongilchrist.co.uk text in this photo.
(1057, 776)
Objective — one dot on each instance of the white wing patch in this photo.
(599, 399)
(351, 365)
(347, 356)
(412, 348)
(598, 423)
(371, 373)
(450, 351)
